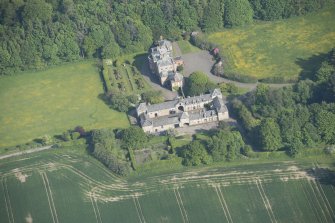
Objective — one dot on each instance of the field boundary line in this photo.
(7, 201)
(224, 201)
(222, 206)
(317, 200)
(265, 201)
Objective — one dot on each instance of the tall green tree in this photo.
(198, 83)
(225, 145)
(269, 135)
(213, 16)
(133, 137)
(195, 154)
(237, 13)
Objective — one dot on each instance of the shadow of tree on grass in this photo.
(310, 65)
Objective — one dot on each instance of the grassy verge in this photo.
(52, 101)
(281, 49)
(187, 47)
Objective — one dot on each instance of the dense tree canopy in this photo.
(198, 83)
(293, 117)
(38, 33)
(225, 145)
(237, 12)
(195, 154)
(133, 137)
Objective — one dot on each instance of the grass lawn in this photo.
(187, 47)
(52, 101)
(281, 48)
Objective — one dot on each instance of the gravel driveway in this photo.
(202, 61)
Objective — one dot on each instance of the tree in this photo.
(118, 101)
(46, 140)
(237, 13)
(103, 137)
(152, 97)
(37, 9)
(66, 136)
(133, 137)
(195, 154)
(269, 135)
(225, 145)
(213, 16)
(272, 9)
(325, 122)
(325, 71)
(198, 83)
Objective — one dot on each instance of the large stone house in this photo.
(182, 112)
(162, 63)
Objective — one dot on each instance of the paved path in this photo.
(26, 152)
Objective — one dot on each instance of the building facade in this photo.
(182, 112)
(162, 63)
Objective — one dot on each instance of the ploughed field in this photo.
(58, 187)
(52, 101)
(284, 48)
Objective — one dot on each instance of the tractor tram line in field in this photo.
(7, 201)
(50, 197)
(138, 209)
(265, 200)
(223, 203)
(320, 204)
(118, 190)
(181, 205)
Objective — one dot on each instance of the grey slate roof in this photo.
(166, 120)
(200, 114)
(219, 104)
(161, 106)
(184, 115)
(141, 108)
(175, 76)
(197, 99)
(145, 120)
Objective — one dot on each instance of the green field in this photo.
(52, 101)
(278, 49)
(62, 186)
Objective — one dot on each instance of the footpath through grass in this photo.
(52, 101)
(278, 49)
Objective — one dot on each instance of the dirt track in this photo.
(26, 152)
